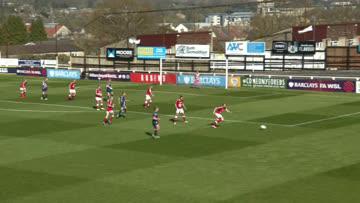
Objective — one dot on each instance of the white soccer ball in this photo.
(263, 127)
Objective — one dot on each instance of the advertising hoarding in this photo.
(9, 62)
(4, 70)
(30, 63)
(117, 76)
(152, 78)
(234, 82)
(205, 80)
(293, 47)
(192, 51)
(264, 82)
(151, 53)
(322, 85)
(39, 72)
(64, 74)
(120, 54)
(243, 48)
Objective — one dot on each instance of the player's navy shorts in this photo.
(155, 124)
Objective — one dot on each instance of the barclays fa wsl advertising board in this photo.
(322, 85)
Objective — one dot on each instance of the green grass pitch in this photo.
(58, 150)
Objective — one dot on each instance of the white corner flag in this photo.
(308, 29)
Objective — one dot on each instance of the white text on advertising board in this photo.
(264, 82)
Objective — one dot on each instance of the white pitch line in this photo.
(326, 119)
(144, 113)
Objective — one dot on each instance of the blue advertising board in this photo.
(63, 74)
(205, 80)
(151, 53)
(256, 48)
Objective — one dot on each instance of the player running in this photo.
(44, 89)
(23, 89)
(109, 89)
(148, 97)
(72, 90)
(109, 112)
(123, 108)
(156, 123)
(180, 110)
(99, 99)
(218, 111)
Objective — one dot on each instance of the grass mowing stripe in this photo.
(40, 111)
(144, 113)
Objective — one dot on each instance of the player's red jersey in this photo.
(23, 84)
(179, 104)
(72, 85)
(220, 110)
(197, 78)
(110, 106)
(99, 93)
(149, 92)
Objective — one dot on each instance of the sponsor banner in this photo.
(322, 85)
(293, 47)
(151, 53)
(234, 82)
(242, 48)
(12, 70)
(357, 87)
(264, 82)
(48, 63)
(236, 48)
(120, 54)
(30, 63)
(211, 81)
(256, 48)
(64, 74)
(152, 78)
(4, 70)
(8, 62)
(192, 51)
(40, 72)
(109, 75)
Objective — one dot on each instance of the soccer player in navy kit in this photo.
(44, 89)
(156, 123)
(123, 108)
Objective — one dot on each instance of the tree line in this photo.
(13, 31)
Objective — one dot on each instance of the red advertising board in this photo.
(152, 78)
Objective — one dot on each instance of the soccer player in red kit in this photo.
(180, 110)
(23, 89)
(109, 111)
(99, 99)
(218, 111)
(72, 90)
(148, 97)
(197, 80)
